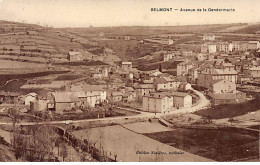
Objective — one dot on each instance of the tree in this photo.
(231, 120)
(160, 68)
(64, 151)
(35, 143)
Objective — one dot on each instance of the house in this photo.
(39, 105)
(239, 45)
(253, 71)
(228, 98)
(9, 97)
(184, 86)
(98, 73)
(65, 101)
(116, 96)
(201, 57)
(126, 65)
(97, 90)
(209, 37)
(164, 102)
(193, 75)
(243, 78)
(168, 56)
(225, 47)
(74, 56)
(183, 68)
(224, 92)
(101, 34)
(253, 45)
(187, 53)
(206, 76)
(181, 99)
(127, 38)
(209, 48)
(169, 42)
(165, 83)
(143, 89)
(30, 97)
(158, 102)
(128, 97)
(222, 86)
(155, 73)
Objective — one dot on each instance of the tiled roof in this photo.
(65, 97)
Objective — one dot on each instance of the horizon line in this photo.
(106, 26)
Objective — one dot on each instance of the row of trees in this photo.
(35, 143)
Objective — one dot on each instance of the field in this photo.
(230, 110)
(249, 29)
(91, 115)
(5, 77)
(67, 77)
(125, 144)
(83, 63)
(146, 127)
(233, 28)
(120, 46)
(219, 145)
(15, 64)
(62, 44)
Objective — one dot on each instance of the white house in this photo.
(127, 65)
(181, 99)
(164, 102)
(158, 102)
(253, 45)
(225, 47)
(30, 97)
(74, 56)
(209, 37)
(209, 48)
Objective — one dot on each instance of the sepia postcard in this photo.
(129, 81)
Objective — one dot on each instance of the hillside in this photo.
(36, 44)
(251, 29)
(145, 30)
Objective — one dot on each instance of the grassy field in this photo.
(15, 64)
(219, 145)
(21, 77)
(62, 44)
(84, 63)
(92, 115)
(125, 144)
(249, 29)
(67, 77)
(120, 46)
(230, 110)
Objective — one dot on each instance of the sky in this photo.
(85, 13)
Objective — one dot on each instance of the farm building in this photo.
(126, 65)
(9, 97)
(30, 97)
(74, 56)
(65, 101)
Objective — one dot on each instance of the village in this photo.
(78, 82)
